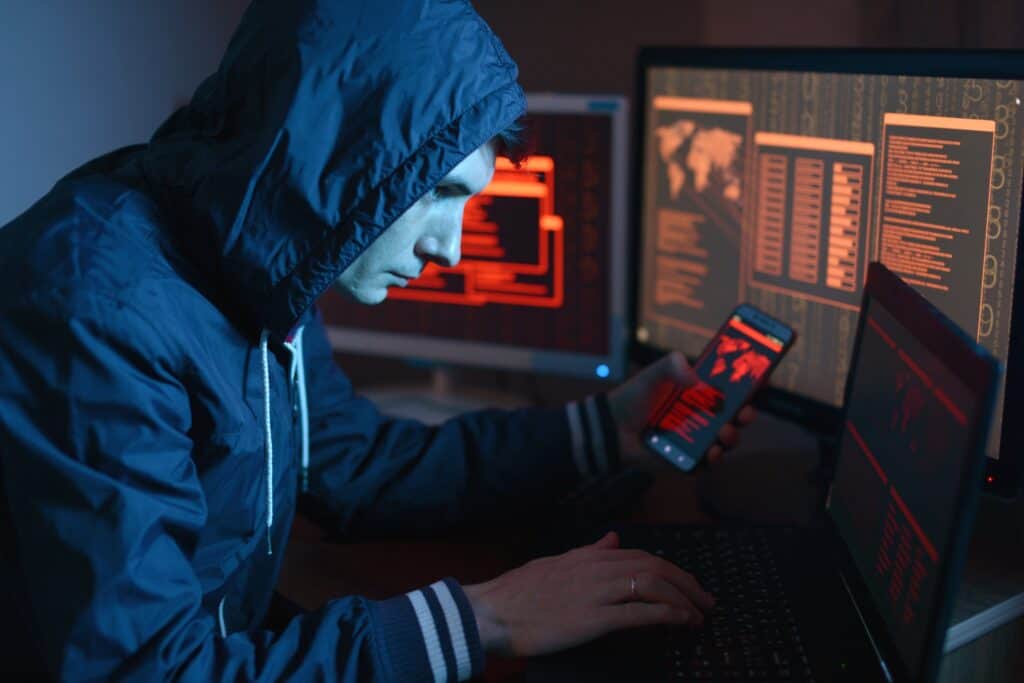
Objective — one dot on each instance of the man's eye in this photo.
(441, 192)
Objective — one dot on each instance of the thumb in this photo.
(672, 368)
(668, 373)
(609, 541)
(677, 368)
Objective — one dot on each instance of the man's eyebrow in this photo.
(457, 185)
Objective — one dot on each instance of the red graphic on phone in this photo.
(746, 363)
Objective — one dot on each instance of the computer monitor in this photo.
(542, 284)
(775, 176)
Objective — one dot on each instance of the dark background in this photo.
(590, 47)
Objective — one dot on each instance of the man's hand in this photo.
(555, 603)
(633, 402)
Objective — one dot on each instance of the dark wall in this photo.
(78, 79)
(560, 46)
(589, 46)
(943, 23)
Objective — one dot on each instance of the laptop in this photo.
(868, 596)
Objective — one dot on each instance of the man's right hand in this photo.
(554, 603)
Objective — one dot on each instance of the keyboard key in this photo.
(752, 630)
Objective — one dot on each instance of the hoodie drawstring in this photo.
(298, 379)
(297, 376)
(268, 434)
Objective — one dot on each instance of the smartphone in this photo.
(734, 364)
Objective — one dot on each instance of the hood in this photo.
(326, 120)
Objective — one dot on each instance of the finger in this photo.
(672, 368)
(747, 414)
(679, 368)
(637, 614)
(651, 588)
(715, 455)
(636, 562)
(607, 542)
(729, 436)
(685, 582)
(624, 554)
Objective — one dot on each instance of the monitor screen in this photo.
(542, 282)
(775, 177)
(909, 436)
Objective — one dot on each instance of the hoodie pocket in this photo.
(231, 469)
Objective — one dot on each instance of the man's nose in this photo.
(445, 247)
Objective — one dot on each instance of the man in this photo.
(166, 388)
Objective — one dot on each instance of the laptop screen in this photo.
(906, 437)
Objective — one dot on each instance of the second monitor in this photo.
(542, 281)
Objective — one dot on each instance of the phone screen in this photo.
(733, 365)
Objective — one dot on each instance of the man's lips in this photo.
(403, 276)
(402, 279)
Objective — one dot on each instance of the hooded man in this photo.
(167, 390)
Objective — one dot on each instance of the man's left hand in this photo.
(633, 402)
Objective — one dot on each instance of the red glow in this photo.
(957, 414)
(487, 273)
(866, 451)
(760, 338)
(881, 333)
(925, 541)
(693, 411)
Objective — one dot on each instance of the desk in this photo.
(990, 649)
(986, 639)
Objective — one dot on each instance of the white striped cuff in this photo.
(448, 627)
(593, 436)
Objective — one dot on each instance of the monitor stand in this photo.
(440, 399)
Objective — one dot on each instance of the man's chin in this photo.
(372, 297)
(365, 296)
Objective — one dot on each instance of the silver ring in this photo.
(632, 587)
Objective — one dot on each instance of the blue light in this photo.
(602, 371)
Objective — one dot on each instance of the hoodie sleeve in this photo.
(104, 507)
(381, 476)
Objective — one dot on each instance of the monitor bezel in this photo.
(1002, 475)
(978, 370)
(430, 349)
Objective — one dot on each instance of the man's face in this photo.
(430, 230)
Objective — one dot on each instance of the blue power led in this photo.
(602, 371)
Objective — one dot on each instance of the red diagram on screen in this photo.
(693, 411)
(696, 406)
(910, 400)
(905, 560)
(921, 410)
(738, 356)
(513, 244)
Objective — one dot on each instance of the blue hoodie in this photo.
(166, 388)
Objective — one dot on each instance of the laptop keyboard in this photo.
(751, 634)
